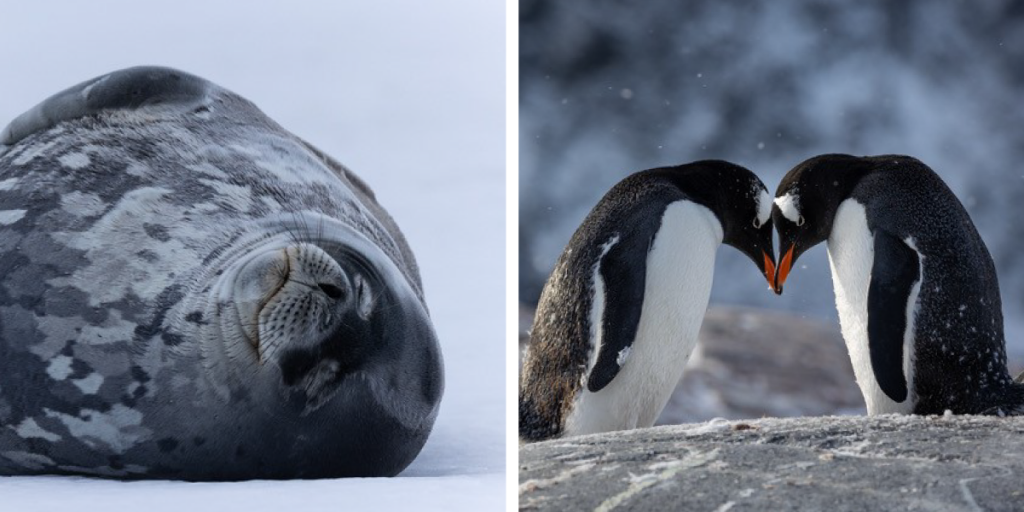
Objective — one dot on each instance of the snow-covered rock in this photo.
(891, 462)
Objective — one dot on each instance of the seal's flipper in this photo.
(130, 88)
(895, 271)
(624, 281)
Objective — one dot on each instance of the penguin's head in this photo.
(805, 205)
(743, 205)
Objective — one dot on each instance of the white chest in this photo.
(851, 256)
(680, 265)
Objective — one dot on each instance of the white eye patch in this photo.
(789, 204)
(764, 207)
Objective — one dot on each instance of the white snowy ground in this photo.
(408, 94)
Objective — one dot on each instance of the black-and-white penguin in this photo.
(915, 286)
(619, 315)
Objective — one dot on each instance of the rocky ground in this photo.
(936, 463)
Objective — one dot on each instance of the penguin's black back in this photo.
(960, 357)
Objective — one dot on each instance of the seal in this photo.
(189, 291)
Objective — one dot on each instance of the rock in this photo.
(816, 463)
(751, 363)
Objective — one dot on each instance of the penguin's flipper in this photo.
(624, 276)
(895, 270)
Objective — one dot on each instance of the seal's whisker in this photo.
(294, 233)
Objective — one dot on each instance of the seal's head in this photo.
(312, 314)
(322, 312)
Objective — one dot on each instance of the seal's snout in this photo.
(259, 280)
(301, 298)
(312, 313)
(354, 293)
(289, 297)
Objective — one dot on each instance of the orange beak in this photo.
(769, 270)
(784, 267)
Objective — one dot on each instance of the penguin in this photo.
(915, 286)
(619, 315)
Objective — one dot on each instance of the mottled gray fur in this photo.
(122, 200)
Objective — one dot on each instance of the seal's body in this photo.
(915, 286)
(189, 291)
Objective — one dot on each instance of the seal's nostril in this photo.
(332, 291)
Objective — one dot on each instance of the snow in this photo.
(713, 425)
(430, 493)
(623, 356)
(410, 96)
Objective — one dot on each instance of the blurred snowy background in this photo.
(611, 87)
(410, 95)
